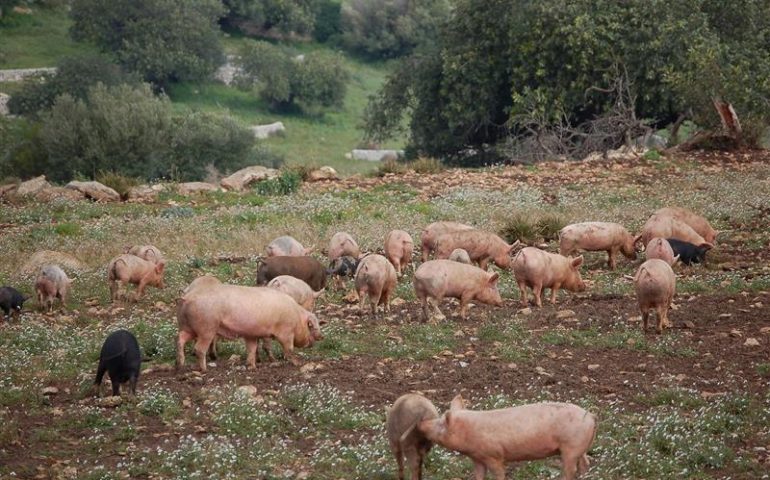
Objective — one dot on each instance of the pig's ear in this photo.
(447, 417)
(708, 246)
(322, 321)
(676, 260)
(457, 403)
(576, 262)
(494, 278)
(159, 267)
(637, 239)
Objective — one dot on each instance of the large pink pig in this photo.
(667, 227)
(127, 268)
(251, 313)
(597, 237)
(433, 231)
(342, 244)
(655, 285)
(50, 284)
(147, 252)
(481, 247)
(660, 248)
(296, 289)
(538, 269)
(287, 246)
(436, 279)
(493, 438)
(375, 278)
(398, 249)
(698, 223)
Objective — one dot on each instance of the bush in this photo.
(74, 76)
(426, 165)
(286, 183)
(390, 28)
(162, 40)
(327, 20)
(120, 183)
(532, 229)
(272, 18)
(314, 81)
(21, 152)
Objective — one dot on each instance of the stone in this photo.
(323, 173)
(751, 342)
(765, 330)
(95, 191)
(144, 193)
(376, 155)
(594, 366)
(246, 176)
(31, 187)
(8, 189)
(4, 97)
(54, 193)
(249, 390)
(190, 188)
(109, 402)
(266, 131)
(525, 311)
(561, 314)
(688, 324)
(50, 391)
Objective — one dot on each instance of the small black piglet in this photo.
(11, 300)
(688, 253)
(122, 359)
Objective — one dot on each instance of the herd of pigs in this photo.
(291, 280)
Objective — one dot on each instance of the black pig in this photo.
(688, 253)
(342, 267)
(121, 358)
(11, 300)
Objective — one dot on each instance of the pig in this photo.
(296, 289)
(687, 252)
(481, 247)
(538, 269)
(375, 277)
(668, 227)
(701, 226)
(11, 301)
(251, 313)
(342, 244)
(342, 267)
(492, 438)
(52, 283)
(127, 268)
(436, 279)
(308, 269)
(122, 359)
(205, 281)
(146, 252)
(655, 285)
(460, 255)
(433, 231)
(398, 249)
(287, 246)
(660, 248)
(596, 237)
(404, 438)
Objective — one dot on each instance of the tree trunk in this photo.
(730, 121)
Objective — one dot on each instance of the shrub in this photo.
(286, 183)
(118, 182)
(390, 165)
(272, 18)
(327, 20)
(162, 40)
(426, 165)
(531, 228)
(21, 151)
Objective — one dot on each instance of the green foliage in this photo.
(532, 229)
(328, 20)
(271, 18)
(21, 152)
(74, 76)
(286, 183)
(314, 81)
(120, 183)
(390, 28)
(163, 40)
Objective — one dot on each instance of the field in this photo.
(691, 403)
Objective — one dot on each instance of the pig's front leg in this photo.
(251, 352)
(554, 291)
(479, 471)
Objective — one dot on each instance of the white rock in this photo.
(376, 155)
(751, 342)
(31, 187)
(246, 176)
(50, 391)
(95, 191)
(266, 131)
(323, 173)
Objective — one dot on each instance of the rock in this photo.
(190, 188)
(765, 330)
(31, 187)
(50, 391)
(725, 315)
(53, 193)
(397, 301)
(95, 191)
(351, 297)
(323, 173)
(525, 311)
(736, 333)
(584, 379)
(561, 314)
(234, 358)
(266, 131)
(8, 189)
(246, 176)
(50, 257)
(688, 324)
(594, 366)
(4, 97)
(376, 155)
(144, 193)
(542, 371)
(109, 402)
(751, 342)
(248, 390)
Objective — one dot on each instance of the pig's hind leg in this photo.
(251, 352)
(569, 465)
(396, 449)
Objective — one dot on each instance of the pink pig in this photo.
(398, 249)
(376, 278)
(660, 248)
(667, 227)
(287, 246)
(342, 244)
(127, 268)
(596, 237)
(436, 279)
(655, 285)
(296, 289)
(698, 223)
(404, 438)
(481, 247)
(433, 231)
(538, 269)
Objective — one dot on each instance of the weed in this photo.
(426, 165)
(177, 212)
(67, 229)
(238, 413)
(391, 166)
(118, 182)
(159, 402)
(286, 183)
(763, 369)
(325, 407)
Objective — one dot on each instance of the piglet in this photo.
(597, 237)
(375, 278)
(660, 248)
(433, 231)
(698, 223)
(11, 301)
(687, 252)
(436, 279)
(127, 268)
(403, 436)
(147, 252)
(538, 269)
(460, 255)
(481, 247)
(342, 244)
(122, 359)
(52, 283)
(398, 249)
(296, 289)
(493, 438)
(287, 246)
(655, 285)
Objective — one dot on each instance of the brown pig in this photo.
(460, 255)
(538, 269)
(307, 269)
(698, 223)
(147, 252)
(492, 438)
(481, 247)
(398, 249)
(296, 289)
(375, 277)
(251, 313)
(433, 231)
(341, 245)
(50, 284)
(667, 227)
(404, 438)
(127, 268)
(597, 237)
(655, 285)
(660, 248)
(287, 246)
(436, 279)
